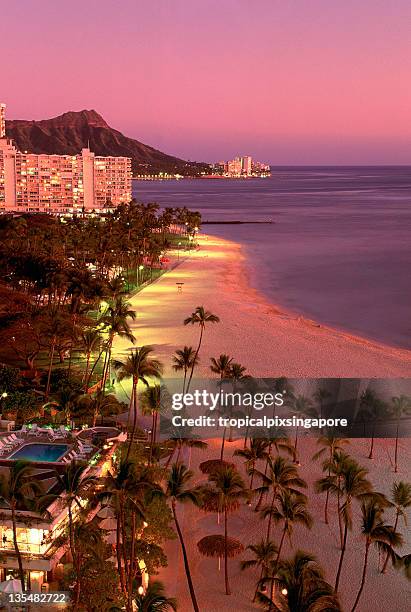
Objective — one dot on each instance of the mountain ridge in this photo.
(71, 131)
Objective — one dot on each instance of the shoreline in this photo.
(262, 336)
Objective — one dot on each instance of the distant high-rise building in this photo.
(2, 120)
(246, 165)
(61, 183)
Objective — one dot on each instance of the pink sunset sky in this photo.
(287, 81)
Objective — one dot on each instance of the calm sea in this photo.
(338, 250)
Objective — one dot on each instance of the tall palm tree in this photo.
(224, 495)
(183, 360)
(331, 483)
(90, 341)
(281, 475)
(320, 396)
(378, 533)
(401, 500)
(154, 599)
(372, 409)
(140, 367)
(353, 485)
(151, 404)
(278, 444)
(17, 488)
(75, 484)
(264, 555)
(115, 321)
(291, 508)
(329, 446)
(256, 452)
(127, 488)
(302, 586)
(401, 406)
(302, 405)
(199, 317)
(222, 367)
(56, 327)
(178, 491)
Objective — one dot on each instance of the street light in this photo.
(284, 592)
(178, 251)
(139, 269)
(2, 397)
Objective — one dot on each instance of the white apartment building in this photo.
(63, 184)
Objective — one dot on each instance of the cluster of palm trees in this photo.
(54, 280)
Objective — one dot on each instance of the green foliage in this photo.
(21, 405)
(9, 378)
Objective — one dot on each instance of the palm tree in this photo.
(376, 532)
(302, 586)
(302, 406)
(154, 599)
(139, 366)
(75, 484)
(291, 508)
(199, 317)
(56, 327)
(225, 495)
(257, 451)
(401, 405)
(222, 367)
(183, 360)
(320, 396)
(371, 408)
(401, 500)
(18, 488)
(178, 491)
(90, 341)
(281, 475)
(329, 446)
(353, 485)
(331, 483)
(279, 444)
(126, 488)
(151, 404)
(115, 320)
(264, 554)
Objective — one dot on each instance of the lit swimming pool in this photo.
(40, 452)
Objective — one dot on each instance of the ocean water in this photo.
(338, 249)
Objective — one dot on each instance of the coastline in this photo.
(263, 337)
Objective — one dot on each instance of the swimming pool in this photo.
(40, 452)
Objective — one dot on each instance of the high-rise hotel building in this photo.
(60, 183)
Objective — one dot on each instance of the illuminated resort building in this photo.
(43, 535)
(60, 183)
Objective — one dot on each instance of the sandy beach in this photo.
(262, 337)
(382, 592)
(268, 342)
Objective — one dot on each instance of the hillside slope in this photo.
(70, 132)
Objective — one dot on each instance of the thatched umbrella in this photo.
(214, 546)
(212, 465)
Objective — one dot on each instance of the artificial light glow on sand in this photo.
(266, 339)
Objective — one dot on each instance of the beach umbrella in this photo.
(105, 512)
(110, 538)
(214, 546)
(210, 466)
(109, 524)
(10, 586)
